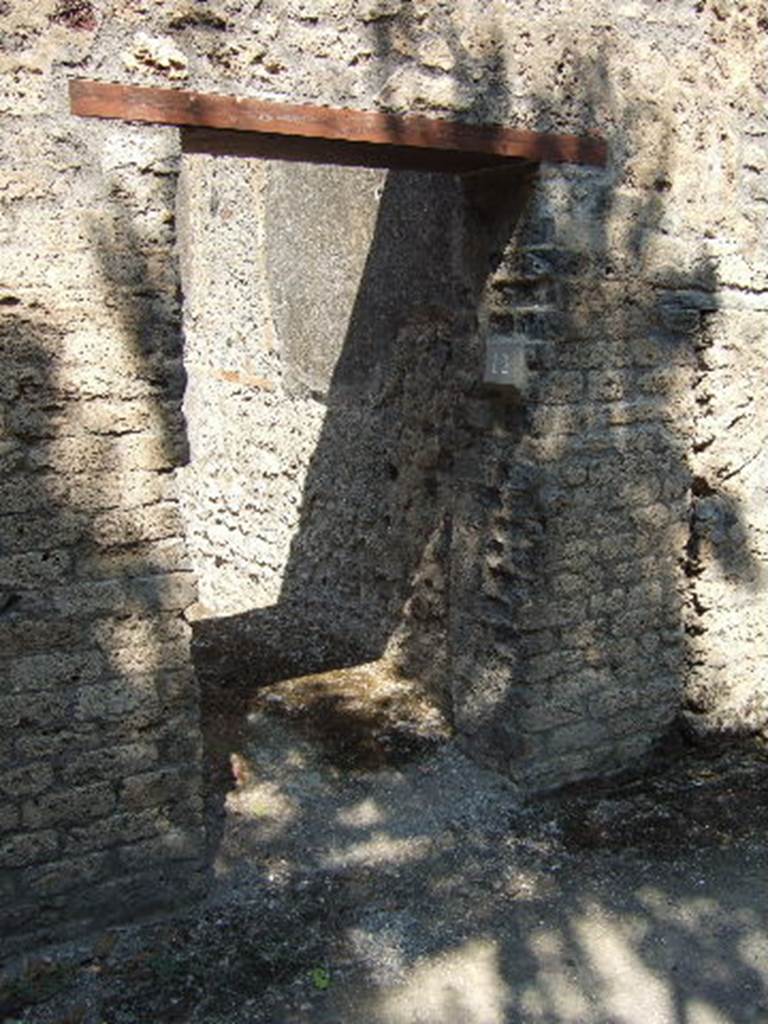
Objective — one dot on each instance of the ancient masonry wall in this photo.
(319, 403)
(575, 567)
(100, 785)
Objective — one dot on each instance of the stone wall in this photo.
(100, 805)
(320, 413)
(568, 600)
(576, 566)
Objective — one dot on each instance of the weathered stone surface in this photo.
(173, 844)
(568, 569)
(67, 875)
(31, 778)
(112, 763)
(69, 806)
(28, 848)
(119, 828)
(50, 671)
(156, 522)
(131, 595)
(46, 710)
(9, 817)
(155, 789)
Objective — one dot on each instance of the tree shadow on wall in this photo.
(95, 582)
(411, 445)
(367, 572)
(94, 653)
(584, 581)
(376, 495)
(548, 537)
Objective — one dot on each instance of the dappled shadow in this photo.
(365, 717)
(372, 496)
(97, 683)
(368, 573)
(424, 892)
(556, 529)
(480, 540)
(719, 532)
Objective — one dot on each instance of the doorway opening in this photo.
(334, 343)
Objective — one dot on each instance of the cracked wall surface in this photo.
(577, 568)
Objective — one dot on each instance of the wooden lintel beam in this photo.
(221, 142)
(432, 143)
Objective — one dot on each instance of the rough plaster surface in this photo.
(320, 430)
(573, 569)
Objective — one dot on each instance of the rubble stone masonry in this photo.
(247, 398)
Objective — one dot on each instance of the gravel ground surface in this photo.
(366, 871)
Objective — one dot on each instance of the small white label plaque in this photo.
(505, 361)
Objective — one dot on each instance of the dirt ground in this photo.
(366, 872)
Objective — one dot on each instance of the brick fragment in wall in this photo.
(40, 741)
(114, 762)
(143, 558)
(139, 632)
(139, 699)
(63, 432)
(123, 527)
(44, 710)
(157, 379)
(34, 493)
(169, 656)
(58, 414)
(42, 530)
(153, 789)
(95, 454)
(50, 671)
(43, 567)
(96, 493)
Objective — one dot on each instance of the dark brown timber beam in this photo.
(248, 127)
(221, 142)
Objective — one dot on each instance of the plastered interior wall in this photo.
(589, 563)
